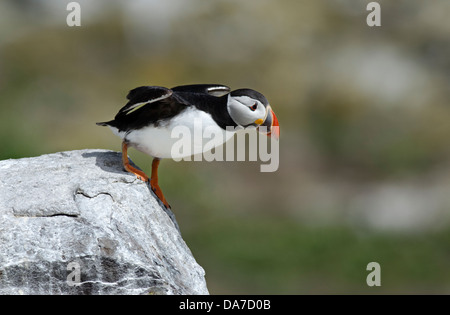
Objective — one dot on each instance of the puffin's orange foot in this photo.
(126, 164)
(158, 192)
(139, 174)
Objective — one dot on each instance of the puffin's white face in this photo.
(246, 111)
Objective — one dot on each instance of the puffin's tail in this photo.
(106, 123)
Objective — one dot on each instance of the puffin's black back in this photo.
(164, 104)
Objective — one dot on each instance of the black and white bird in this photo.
(152, 113)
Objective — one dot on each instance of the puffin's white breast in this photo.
(191, 132)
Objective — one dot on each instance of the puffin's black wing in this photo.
(144, 95)
(147, 105)
(211, 89)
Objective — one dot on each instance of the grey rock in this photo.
(76, 223)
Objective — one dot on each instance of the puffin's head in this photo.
(250, 108)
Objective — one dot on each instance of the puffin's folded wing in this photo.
(211, 89)
(144, 95)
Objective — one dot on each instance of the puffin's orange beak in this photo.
(271, 123)
(275, 130)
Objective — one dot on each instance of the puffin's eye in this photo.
(253, 108)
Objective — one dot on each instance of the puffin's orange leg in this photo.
(126, 164)
(154, 183)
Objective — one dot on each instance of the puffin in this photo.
(150, 118)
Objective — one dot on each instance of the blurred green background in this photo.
(364, 113)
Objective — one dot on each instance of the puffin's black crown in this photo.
(251, 93)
